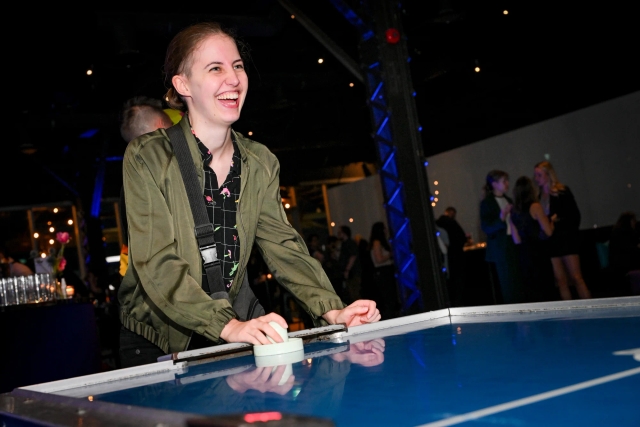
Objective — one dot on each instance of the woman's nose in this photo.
(231, 79)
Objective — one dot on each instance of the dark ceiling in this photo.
(541, 60)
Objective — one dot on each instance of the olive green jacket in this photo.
(160, 296)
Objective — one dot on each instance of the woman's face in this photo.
(501, 185)
(217, 84)
(540, 177)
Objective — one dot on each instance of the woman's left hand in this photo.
(360, 312)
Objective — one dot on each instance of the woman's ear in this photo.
(180, 84)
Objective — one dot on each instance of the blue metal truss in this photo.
(398, 221)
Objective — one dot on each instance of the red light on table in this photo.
(263, 417)
(392, 35)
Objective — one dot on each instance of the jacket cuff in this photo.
(222, 317)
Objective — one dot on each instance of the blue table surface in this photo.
(434, 376)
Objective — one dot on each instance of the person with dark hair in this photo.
(313, 244)
(455, 255)
(624, 252)
(495, 221)
(531, 229)
(350, 265)
(166, 301)
(385, 289)
(332, 267)
(11, 267)
(563, 246)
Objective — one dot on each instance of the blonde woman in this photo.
(564, 244)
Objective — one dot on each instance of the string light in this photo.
(51, 229)
(36, 235)
(320, 61)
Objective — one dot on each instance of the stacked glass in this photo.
(34, 288)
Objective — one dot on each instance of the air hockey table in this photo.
(554, 364)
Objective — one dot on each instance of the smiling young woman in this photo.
(164, 305)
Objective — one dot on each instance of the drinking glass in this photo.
(9, 291)
(31, 289)
(43, 282)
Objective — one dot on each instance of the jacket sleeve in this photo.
(490, 221)
(162, 273)
(287, 256)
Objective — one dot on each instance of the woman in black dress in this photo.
(564, 244)
(531, 228)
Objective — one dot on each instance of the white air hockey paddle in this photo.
(290, 351)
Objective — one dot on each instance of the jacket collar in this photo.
(193, 144)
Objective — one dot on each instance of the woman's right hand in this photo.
(253, 331)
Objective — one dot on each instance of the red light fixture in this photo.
(392, 35)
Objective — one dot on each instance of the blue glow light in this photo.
(426, 163)
(89, 133)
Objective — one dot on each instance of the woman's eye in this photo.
(214, 69)
(239, 66)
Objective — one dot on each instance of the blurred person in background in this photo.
(563, 247)
(624, 251)
(349, 261)
(495, 211)
(11, 267)
(385, 290)
(455, 255)
(531, 229)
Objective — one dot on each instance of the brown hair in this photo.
(493, 176)
(524, 194)
(555, 185)
(179, 55)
